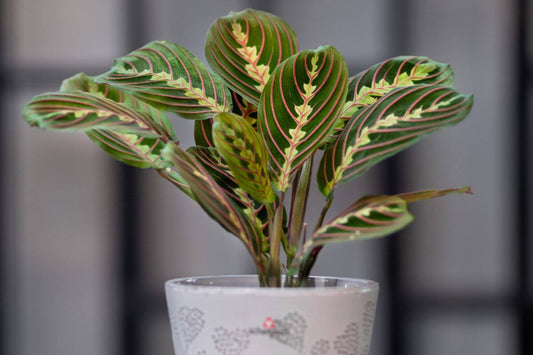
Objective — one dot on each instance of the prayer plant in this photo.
(264, 114)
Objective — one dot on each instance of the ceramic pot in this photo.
(232, 315)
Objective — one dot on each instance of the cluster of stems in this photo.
(294, 238)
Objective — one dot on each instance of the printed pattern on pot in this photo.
(188, 322)
(368, 319)
(348, 343)
(289, 330)
(230, 342)
(320, 347)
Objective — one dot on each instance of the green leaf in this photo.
(299, 106)
(370, 217)
(203, 129)
(369, 85)
(214, 201)
(243, 150)
(130, 149)
(203, 133)
(169, 77)
(221, 173)
(245, 47)
(129, 130)
(395, 122)
(245, 109)
(84, 83)
(428, 194)
(86, 111)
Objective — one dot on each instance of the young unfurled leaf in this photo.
(203, 129)
(213, 199)
(369, 85)
(243, 150)
(169, 77)
(221, 173)
(388, 126)
(298, 108)
(245, 47)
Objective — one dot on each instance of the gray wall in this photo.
(59, 208)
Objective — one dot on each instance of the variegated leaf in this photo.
(244, 151)
(214, 201)
(220, 172)
(245, 47)
(85, 111)
(169, 77)
(388, 126)
(370, 217)
(298, 108)
(129, 148)
(84, 83)
(368, 86)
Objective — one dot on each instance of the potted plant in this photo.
(265, 115)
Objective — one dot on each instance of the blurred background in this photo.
(86, 243)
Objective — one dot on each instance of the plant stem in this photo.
(323, 214)
(295, 182)
(275, 245)
(305, 269)
(300, 203)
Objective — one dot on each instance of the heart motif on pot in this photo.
(190, 322)
(231, 342)
(320, 347)
(348, 342)
(291, 330)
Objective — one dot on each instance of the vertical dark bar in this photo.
(129, 207)
(523, 161)
(129, 256)
(3, 202)
(399, 17)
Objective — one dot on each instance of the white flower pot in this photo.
(231, 315)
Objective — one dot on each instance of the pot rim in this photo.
(324, 285)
